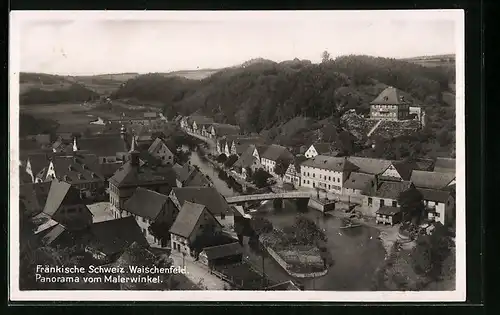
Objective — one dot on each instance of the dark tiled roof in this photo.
(157, 144)
(187, 218)
(38, 162)
(435, 180)
(108, 169)
(77, 168)
(283, 286)
(358, 180)
(61, 193)
(34, 196)
(387, 210)
(391, 190)
(29, 145)
(390, 96)
(225, 129)
(275, 152)
(215, 252)
(113, 236)
(404, 168)
(369, 165)
(103, 145)
(24, 177)
(445, 165)
(133, 175)
(246, 159)
(200, 120)
(435, 195)
(338, 164)
(52, 234)
(424, 164)
(146, 203)
(207, 196)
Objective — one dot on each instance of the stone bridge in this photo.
(270, 196)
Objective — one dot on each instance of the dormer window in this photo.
(66, 178)
(80, 176)
(84, 166)
(386, 98)
(70, 168)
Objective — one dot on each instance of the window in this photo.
(222, 216)
(144, 231)
(319, 176)
(394, 203)
(382, 202)
(338, 180)
(370, 201)
(143, 220)
(437, 215)
(329, 178)
(304, 173)
(304, 181)
(314, 175)
(308, 182)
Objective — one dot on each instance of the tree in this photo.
(222, 158)
(325, 56)
(160, 230)
(443, 137)
(260, 177)
(231, 160)
(281, 167)
(306, 232)
(412, 205)
(261, 225)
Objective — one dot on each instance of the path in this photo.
(198, 274)
(374, 128)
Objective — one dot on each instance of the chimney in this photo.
(75, 147)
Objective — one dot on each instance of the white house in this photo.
(440, 205)
(272, 155)
(192, 222)
(147, 207)
(322, 148)
(326, 172)
(160, 150)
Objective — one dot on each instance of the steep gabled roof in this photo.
(322, 147)
(207, 196)
(390, 96)
(146, 203)
(38, 162)
(133, 175)
(77, 168)
(445, 165)
(246, 159)
(391, 190)
(434, 180)
(34, 195)
(187, 218)
(61, 193)
(369, 165)
(157, 144)
(338, 164)
(113, 236)
(275, 152)
(215, 252)
(435, 195)
(405, 168)
(358, 180)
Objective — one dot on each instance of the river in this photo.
(356, 252)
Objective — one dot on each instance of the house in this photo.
(390, 105)
(321, 148)
(196, 122)
(272, 155)
(384, 193)
(216, 130)
(326, 172)
(80, 170)
(369, 165)
(247, 161)
(432, 180)
(63, 145)
(33, 196)
(241, 144)
(445, 165)
(215, 203)
(24, 177)
(292, 174)
(133, 174)
(221, 255)
(440, 205)
(65, 206)
(160, 150)
(192, 222)
(388, 215)
(144, 140)
(188, 175)
(358, 183)
(148, 207)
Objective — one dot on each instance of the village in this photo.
(133, 191)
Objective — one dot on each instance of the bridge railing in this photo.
(287, 195)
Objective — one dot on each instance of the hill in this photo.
(263, 96)
(434, 61)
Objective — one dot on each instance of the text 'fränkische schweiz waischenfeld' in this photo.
(104, 274)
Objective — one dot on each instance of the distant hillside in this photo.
(192, 74)
(434, 61)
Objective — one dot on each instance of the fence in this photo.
(287, 266)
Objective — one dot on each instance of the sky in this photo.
(71, 45)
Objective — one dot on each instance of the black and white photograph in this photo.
(236, 155)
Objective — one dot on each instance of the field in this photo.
(192, 74)
(74, 114)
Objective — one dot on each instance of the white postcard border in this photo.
(16, 19)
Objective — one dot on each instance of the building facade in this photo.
(390, 105)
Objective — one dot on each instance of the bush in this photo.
(260, 178)
(230, 160)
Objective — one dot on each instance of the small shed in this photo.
(388, 215)
(222, 254)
